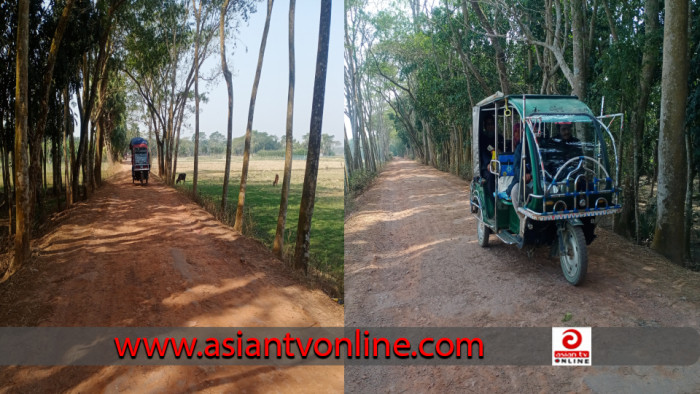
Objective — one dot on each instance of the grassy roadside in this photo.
(262, 207)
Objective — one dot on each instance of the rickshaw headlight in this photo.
(555, 189)
(582, 202)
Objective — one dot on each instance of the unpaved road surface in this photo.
(412, 259)
(142, 256)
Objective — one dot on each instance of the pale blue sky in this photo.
(271, 103)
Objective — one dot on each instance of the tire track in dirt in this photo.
(412, 259)
(142, 256)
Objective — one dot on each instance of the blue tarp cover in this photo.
(137, 141)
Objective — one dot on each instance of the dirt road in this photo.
(412, 259)
(141, 256)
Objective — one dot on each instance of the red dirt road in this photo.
(142, 256)
(412, 259)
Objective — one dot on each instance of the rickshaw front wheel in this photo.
(574, 261)
(483, 233)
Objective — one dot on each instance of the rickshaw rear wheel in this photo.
(483, 232)
(574, 262)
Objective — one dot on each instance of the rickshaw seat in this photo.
(503, 183)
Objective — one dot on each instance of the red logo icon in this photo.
(571, 346)
(573, 340)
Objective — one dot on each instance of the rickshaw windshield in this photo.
(563, 138)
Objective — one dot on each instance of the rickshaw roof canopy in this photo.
(137, 141)
(561, 119)
(565, 108)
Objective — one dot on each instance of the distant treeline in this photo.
(261, 143)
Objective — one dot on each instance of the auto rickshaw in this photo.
(140, 160)
(558, 156)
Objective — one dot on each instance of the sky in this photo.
(271, 103)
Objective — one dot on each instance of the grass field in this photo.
(263, 200)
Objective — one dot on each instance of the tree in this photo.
(22, 186)
(238, 224)
(229, 90)
(278, 246)
(38, 134)
(669, 235)
(156, 50)
(646, 78)
(237, 7)
(93, 70)
(198, 18)
(306, 210)
(328, 142)
(207, 29)
(500, 54)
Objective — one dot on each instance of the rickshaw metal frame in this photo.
(531, 125)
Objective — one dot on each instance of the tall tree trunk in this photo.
(6, 174)
(177, 142)
(7, 180)
(238, 224)
(99, 146)
(23, 209)
(56, 167)
(198, 33)
(39, 130)
(278, 245)
(359, 113)
(10, 202)
(689, 195)
(351, 97)
(431, 145)
(306, 210)
(649, 66)
(229, 88)
(578, 28)
(90, 91)
(170, 131)
(43, 162)
(101, 129)
(82, 144)
(426, 149)
(669, 236)
(67, 154)
(348, 153)
(91, 156)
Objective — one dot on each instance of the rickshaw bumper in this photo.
(570, 215)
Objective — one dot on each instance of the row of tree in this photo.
(368, 146)
(103, 53)
(431, 62)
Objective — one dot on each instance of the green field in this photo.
(263, 200)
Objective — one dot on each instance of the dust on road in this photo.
(143, 256)
(412, 259)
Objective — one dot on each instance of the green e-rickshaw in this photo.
(560, 159)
